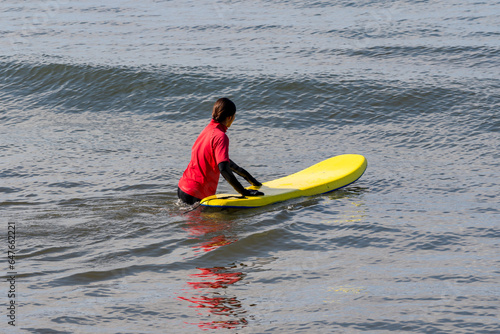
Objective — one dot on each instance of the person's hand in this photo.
(252, 192)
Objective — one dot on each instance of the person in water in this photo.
(210, 158)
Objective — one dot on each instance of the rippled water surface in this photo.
(100, 104)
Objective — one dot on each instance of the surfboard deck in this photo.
(323, 177)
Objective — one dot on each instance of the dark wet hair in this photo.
(223, 108)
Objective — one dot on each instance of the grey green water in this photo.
(101, 102)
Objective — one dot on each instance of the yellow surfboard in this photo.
(323, 177)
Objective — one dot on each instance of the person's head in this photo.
(223, 111)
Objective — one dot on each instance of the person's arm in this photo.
(244, 174)
(225, 170)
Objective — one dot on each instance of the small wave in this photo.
(167, 94)
(73, 88)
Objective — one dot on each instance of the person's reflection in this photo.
(207, 287)
(215, 301)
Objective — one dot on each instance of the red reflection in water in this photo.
(214, 279)
(216, 304)
(222, 324)
(199, 227)
(208, 281)
(215, 243)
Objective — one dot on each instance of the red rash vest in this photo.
(201, 176)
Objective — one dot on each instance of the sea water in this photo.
(100, 103)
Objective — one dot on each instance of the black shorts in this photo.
(186, 198)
